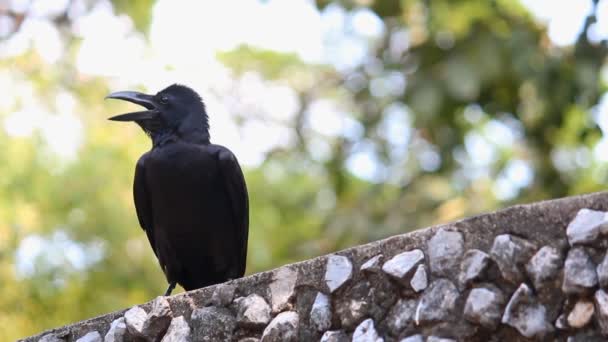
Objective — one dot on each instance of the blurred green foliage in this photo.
(477, 76)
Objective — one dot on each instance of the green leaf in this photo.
(140, 12)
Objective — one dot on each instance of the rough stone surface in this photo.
(390, 301)
(351, 312)
(178, 331)
(158, 319)
(284, 327)
(437, 303)
(212, 324)
(93, 336)
(366, 332)
(544, 266)
(223, 295)
(524, 313)
(253, 311)
(511, 253)
(419, 281)
(445, 252)
(334, 336)
(373, 265)
(135, 319)
(117, 331)
(581, 314)
(338, 271)
(473, 266)
(403, 264)
(484, 306)
(586, 226)
(600, 300)
(579, 272)
(413, 338)
(602, 272)
(282, 288)
(320, 314)
(401, 316)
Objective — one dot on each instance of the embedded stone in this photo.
(92, 336)
(437, 303)
(586, 226)
(282, 288)
(419, 281)
(320, 313)
(401, 316)
(338, 271)
(602, 272)
(401, 265)
(581, 314)
(366, 332)
(579, 272)
(178, 331)
(249, 339)
(439, 339)
(511, 253)
(445, 252)
(212, 324)
(135, 318)
(223, 294)
(524, 313)
(284, 327)
(253, 311)
(561, 322)
(373, 265)
(118, 329)
(474, 264)
(544, 266)
(484, 307)
(334, 336)
(601, 308)
(158, 319)
(413, 338)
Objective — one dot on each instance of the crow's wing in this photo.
(234, 183)
(142, 202)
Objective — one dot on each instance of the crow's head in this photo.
(175, 108)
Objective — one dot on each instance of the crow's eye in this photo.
(164, 99)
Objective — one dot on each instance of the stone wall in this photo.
(526, 273)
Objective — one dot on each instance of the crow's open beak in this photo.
(137, 98)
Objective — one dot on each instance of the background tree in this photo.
(427, 112)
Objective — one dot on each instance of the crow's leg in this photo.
(170, 288)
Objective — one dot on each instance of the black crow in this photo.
(190, 195)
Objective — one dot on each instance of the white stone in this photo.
(402, 264)
(339, 270)
(92, 336)
(283, 328)
(135, 319)
(320, 313)
(601, 309)
(586, 226)
(282, 288)
(178, 331)
(419, 281)
(373, 264)
(253, 311)
(117, 331)
(366, 332)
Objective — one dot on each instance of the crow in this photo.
(190, 195)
